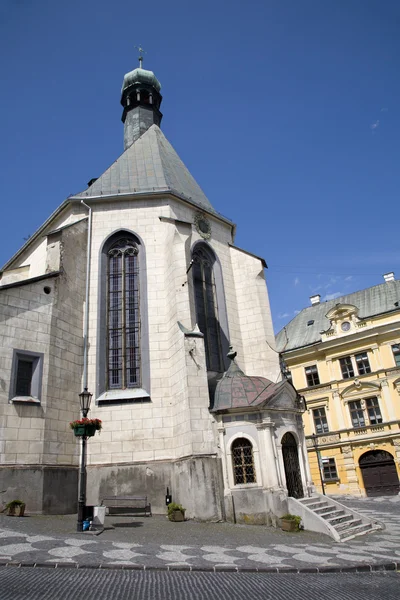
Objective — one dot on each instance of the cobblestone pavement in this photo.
(155, 542)
(69, 584)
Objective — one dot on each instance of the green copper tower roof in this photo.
(141, 76)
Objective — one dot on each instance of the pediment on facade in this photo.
(359, 387)
(342, 311)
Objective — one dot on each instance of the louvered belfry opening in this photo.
(123, 322)
(243, 461)
(206, 306)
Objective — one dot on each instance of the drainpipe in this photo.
(86, 316)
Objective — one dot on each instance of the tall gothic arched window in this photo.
(207, 317)
(123, 315)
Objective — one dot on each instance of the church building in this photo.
(135, 289)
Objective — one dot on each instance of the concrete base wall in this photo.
(45, 490)
(194, 482)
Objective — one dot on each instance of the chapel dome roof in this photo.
(237, 390)
(141, 76)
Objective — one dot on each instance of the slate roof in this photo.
(149, 165)
(237, 390)
(372, 301)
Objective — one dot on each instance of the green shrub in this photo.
(14, 503)
(172, 506)
(294, 518)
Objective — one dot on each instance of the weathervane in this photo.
(141, 52)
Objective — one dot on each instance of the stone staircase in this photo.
(321, 513)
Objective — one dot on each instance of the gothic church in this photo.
(135, 289)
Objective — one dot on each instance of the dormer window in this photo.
(310, 322)
(346, 326)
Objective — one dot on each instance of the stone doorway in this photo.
(292, 466)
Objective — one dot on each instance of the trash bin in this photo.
(99, 516)
(88, 513)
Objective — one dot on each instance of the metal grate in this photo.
(243, 461)
(123, 316)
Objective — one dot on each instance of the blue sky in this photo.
(285, 111)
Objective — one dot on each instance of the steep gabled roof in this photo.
(375, 300)
(149, 165)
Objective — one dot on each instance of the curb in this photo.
(192, 569)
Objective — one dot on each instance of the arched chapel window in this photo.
(123, 316)
(243, 461)
(207, 317)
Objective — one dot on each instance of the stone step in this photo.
(355, 531)
(347, 525)
(324, 510)
(340, 519)
(316, 505)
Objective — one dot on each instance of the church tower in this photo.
(144, 260)
(141, 100)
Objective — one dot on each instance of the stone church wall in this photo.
(38, 451)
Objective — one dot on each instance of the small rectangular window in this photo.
(363, 363)
(329, 467)
(312, 375)
(347, 367)
(396, 354)
(26, 376)
(320, 420)
(374, 412)
(357, 414)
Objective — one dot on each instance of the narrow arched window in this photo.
(123, 318)
(207, 306)
(243, 461)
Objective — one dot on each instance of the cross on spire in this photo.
(141, 52)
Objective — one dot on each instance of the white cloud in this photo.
(296, 281)
(348, 278)
(384, 109)
(283, 315)
(375, 125)
(332, 296)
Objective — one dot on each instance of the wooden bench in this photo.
(127, 504)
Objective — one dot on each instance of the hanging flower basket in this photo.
(86, 427)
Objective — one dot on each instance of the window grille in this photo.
(243, 461)
(374, 412)
(357, 414)
(329, 469)
(24, 378)
(312, 375)
(320, 420)
(206, 306)
(123, 316)
(362, 362)
(347, 367)
(396, 354)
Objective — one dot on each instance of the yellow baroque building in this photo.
(343, 356)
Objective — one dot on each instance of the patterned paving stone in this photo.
(236, 546)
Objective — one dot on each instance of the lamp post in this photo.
(85, 398)
(314, 438)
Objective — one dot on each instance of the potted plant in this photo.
(11, 507)
(86, 427)
(176, 512)
(290, 522)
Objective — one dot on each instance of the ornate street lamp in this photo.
(85, 398)
(314, 438)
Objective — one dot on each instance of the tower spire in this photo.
(141, 52)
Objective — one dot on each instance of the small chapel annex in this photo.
(134, 288)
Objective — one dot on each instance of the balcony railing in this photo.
(347, 435)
